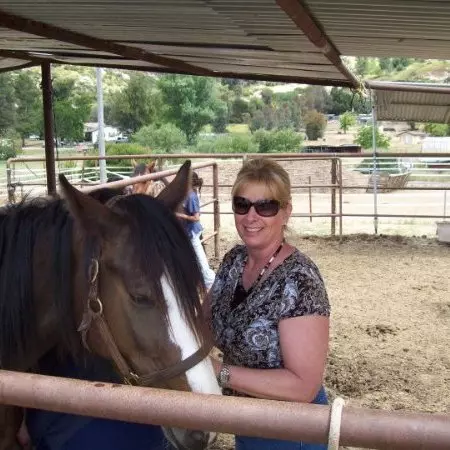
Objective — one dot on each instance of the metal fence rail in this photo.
(360, 427)
(336, 199)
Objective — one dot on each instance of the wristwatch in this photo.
(223, 378)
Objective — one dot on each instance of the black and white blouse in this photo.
(248, 333)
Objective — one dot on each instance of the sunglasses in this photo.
(264, 208)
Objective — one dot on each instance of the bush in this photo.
(233, 143)
(286, 140)
(315, 123)
(7, 149)
(365, 138)
(117, 150)
(164, 139)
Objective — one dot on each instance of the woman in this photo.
(268, 307)
(191, 221)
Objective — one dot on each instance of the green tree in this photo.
(28, 101)
(315, 123)
(341, 100)
(361, 66)
(364, 138)
(281, 141)
(317, 98)
(347, 120)
(72, 107)
(267, 96)
(167, 138)
(437, 129)
(136, 105)
(221, 117)
(189, 102)
(239, 107)
(386, 65)
(7, 103)
(256, 121)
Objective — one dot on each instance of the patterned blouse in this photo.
(248, 334)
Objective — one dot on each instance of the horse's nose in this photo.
(190, 439)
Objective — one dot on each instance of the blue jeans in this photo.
(207, 272)
(254, 443)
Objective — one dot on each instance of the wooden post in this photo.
(216, 209)
(49, 137)
(333, 196)
(310, 199)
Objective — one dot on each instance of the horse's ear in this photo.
(174, 194)
(133, 163)
(90, 214)
(151, 166)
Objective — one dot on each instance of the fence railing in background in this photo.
(399, 172)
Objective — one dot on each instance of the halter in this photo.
(93, 315)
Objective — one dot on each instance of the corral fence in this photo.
(394, 190)
(355, 427)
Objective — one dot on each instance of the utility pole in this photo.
(101, 126)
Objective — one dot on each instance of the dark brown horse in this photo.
(120, 277)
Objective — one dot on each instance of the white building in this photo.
(411, 137)
(91, 132)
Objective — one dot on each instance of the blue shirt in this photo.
(59, 431)
(191, 207)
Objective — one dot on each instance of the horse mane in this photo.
(159, 236)
(21, 226)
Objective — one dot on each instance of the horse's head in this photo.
(144, 187)
(139, 289)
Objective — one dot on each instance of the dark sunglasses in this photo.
(264, 208)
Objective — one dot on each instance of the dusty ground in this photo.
(390, 331)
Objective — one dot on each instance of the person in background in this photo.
(190, 218)
(268, 308)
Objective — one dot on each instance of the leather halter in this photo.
(93, 315)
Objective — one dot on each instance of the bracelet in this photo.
(223, 378)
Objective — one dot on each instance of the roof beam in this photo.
(301, 16)
(30, 26)
(240, 76)
(22, 66)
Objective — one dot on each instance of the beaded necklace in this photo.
(240, 294)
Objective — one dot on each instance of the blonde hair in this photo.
(267, 173)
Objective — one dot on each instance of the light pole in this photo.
(101, 128)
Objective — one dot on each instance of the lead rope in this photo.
(334, 432)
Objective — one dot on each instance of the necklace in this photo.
(263, 270)
(240, 294)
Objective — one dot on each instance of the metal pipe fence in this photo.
(359, 427)
(349, 180)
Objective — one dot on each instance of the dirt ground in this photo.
(390, 333)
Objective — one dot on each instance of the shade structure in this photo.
(417, 102)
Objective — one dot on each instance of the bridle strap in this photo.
(177, 369)
(93, 314)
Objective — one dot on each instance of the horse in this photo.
(118, 278)
(150, 187)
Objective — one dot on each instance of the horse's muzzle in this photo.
(183, 439)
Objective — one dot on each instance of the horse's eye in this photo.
(140, 300)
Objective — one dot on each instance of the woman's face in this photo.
(256, 231)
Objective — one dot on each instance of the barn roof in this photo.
(282, 40)
(254, 39)
(416, 102)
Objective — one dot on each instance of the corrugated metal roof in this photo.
(255, 38)
(411, 101)
(386, 28)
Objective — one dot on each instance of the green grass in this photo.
(238, 128)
